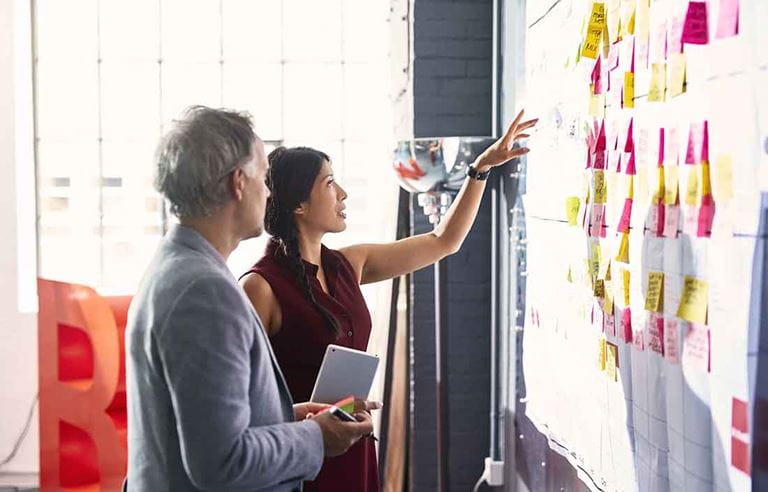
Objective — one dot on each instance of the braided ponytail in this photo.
(292, 173)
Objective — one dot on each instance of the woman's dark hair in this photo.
(292, 173)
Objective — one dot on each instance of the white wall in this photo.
(18, 331)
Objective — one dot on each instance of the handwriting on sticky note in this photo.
(705, 219)
(722, 181)
(611, 360)
(572, 204)
(671, 221)
(654, 296)
(696, 346)
(693, 301)
(629, 90)
(671, 341)
(599, 290)
(696, 28)
(598, 186)
(658, 82)
(594, 31)
(728, 21)
(676, 74)
(601, 353)
(656, 333)
(671, 181)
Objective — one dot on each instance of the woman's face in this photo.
(324, 210)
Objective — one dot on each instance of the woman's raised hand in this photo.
(503, 149)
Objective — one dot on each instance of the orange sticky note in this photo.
(693, 301)
(654, 296)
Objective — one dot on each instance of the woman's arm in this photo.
(264, 301)
(375, 262)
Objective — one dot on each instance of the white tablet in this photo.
(344, 372)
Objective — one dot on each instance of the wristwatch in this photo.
(475, 174)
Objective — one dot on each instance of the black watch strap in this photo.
(475, 174)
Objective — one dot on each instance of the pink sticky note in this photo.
(706, 217)
(661, 147)
(609, 321)
(728, 23)
(626, 324)
(671, 341)
(613, 56)
(629, 144)
(603, 226)
(637, 340)
(630, 169)
(640, 60)
(671, 146)
(614, 161)
(656, 333)
(626, 215)
(696, 346)
(598, 160)
(705, 141)
(658, 36)
(671, 221)
(696, 30)
(695, 138)
(655, 220)
(596, 220)
(690, 220)
(597, 80)
(589, 159)
(601, 142)
(675, 34)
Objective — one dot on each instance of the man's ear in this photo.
(237, 183)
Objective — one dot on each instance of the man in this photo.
(208, 408)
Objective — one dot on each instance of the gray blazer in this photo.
(208, 408)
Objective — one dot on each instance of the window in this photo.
(111, 75)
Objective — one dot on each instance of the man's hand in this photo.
(339, 436)
(307, 409)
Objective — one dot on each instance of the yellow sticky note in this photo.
(595, 29)
(643, 20)
(671, 184)
(641, 178)
(631, 24)
(676, 73)
(629, 90)
(623, 254)
(611, 187)
(722, 182)
(594, 260)
(658, 185)
(692, 190)
(706, 185)
(625, 286)
(658, 83)
(597, 105)
(693, 301)
(569, 278)
(572, 204)
(611, 359)
(598, 186)
(654, 297)
(599, 290)
(630, 186)
(601, 354)
(608, 301)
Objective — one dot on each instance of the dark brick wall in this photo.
(452, 68)
(468, 298)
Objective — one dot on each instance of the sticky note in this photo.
(658, 83)
(594, 31)
(692, 192)
(594, 259)
(597, 80)
(598, 186)
(631, 168)
(623, 254)
(705, 185)
(671, 341)
(601, 353)
(658, 185)
(629, 90)
(656, 333)
(611, 360)
(728, 20)
(671, 221)
(569, 277)
(597, 220)
(626, 216)
(696, 346)
(671, 184)
(674, 33)
(722, 181)
(676, 74)
(690, 221)
(696, 30)
(626, 325)
(693, 301)
(597, 105)
(609, 323)
(572, 204)
(655, 223)
(608, 302)
(625, 286)
(705, 219)
(654, 295)
(638, 339)
(599, 288)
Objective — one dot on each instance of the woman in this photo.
(308, 296)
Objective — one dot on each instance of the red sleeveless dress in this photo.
(301, 342)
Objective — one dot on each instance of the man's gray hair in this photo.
(197, 155)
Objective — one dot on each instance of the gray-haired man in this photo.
(208, 408)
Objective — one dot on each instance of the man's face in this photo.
(256, 191)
